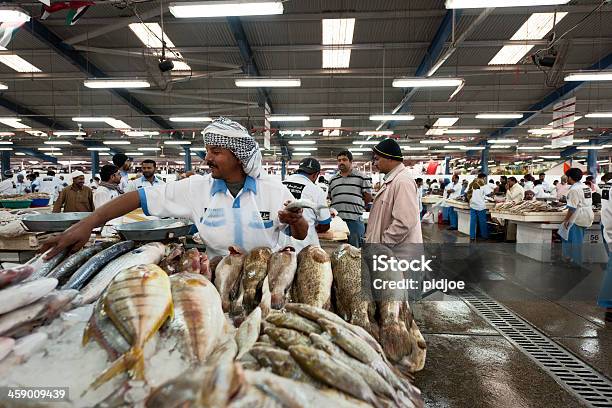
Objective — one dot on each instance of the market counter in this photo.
(463, 214)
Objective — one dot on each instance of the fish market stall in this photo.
(120, 323)
(17, 242)
(463, 214)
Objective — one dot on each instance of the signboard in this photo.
(564, 117)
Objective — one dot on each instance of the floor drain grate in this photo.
(571, 373)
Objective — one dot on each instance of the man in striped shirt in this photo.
(350, 191)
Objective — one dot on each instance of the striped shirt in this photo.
(347, 194)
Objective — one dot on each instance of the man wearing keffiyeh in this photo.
(236, 205)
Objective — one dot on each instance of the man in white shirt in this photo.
(579, 216)
(6, 185)
(539, 190)
(237, 204)
(605, 295)
(323, 185)
(453, 192)
(528, 182)
(124, 164)
(545, 184)
(108, 188)
(515, 192)
(302, 187)
(478, 208)
(21, 187)
(148, 179)
(50, 184)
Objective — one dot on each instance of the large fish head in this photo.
(260, 254)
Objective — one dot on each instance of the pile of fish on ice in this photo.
(246, 330)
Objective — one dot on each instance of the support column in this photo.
(187, 158)
(95, 163)
(447, 165)
(591, 160)
(283, 169)
(484, 161)
(6, 161)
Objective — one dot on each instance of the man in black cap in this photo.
(394, 218)
(124, 164)
(302, 186)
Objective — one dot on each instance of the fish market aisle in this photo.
(470, 363)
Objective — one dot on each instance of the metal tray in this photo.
(52, 222)
(153, 230)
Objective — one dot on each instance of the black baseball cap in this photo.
(310, 165)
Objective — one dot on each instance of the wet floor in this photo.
(470, 363)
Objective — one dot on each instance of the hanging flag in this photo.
(7, 29)
(46, 2)
(76, 9)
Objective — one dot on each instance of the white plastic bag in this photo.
(428, 218)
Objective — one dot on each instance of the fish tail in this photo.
(394, 341)
(132, 360)
(277, 300)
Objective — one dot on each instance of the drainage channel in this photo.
(571, 373)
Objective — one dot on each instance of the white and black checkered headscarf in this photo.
(227, 134)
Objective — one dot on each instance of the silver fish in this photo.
(248, 332)
(22, 320)
(150, 253)
(97, 262)
(281, 271)
(14, 275)
(101, 328)
(6, 346)
(28, 345)
(14, 297)
(64, 270)
(303, 203)
(42, 267)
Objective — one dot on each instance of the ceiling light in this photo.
(375, 133)
(415, 148)
(267, 83)
(10, 14)
(566, 121)
(535, 28)
(6, 149)
(287, 118)
(6, 134)
(589, 76)
(302, 142)
(118, 124)
(519, 162)
(98, 149)
(546, 131)
(459, 147)
(177, 142)
(430, 82)
(302, 154)
(296, 132)
(434, 141)
(14, 123)
(104, 154)
(459, 4)
(226, 8)
(461, 131)
(530, 148)
(331, 123)
(435, 132)
(140, 133)
(472, 148)
(357, 154)
(499, 116)
(69, 133)
(57, 142)
(116, 83)
(391, 117)
(116, 142)
(305, 149)
(445, 122)
(20, 154)
(3, 86)
(589, 147)
(365, 142)
(599, 115)
(551, 157)
(37, 133)
(5, 142)
(198, 149)
(499, 146)
(17, 63)
(537, 160)
(49, 149)
(134, 154)
(91, 119)
(603, 161)
(193, 119)
(149, 149)
(502, 141)
(337, 31)
(579, 141)
(151, 35)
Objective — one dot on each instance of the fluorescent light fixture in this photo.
(291, 132)
(430, 82)
(603, 161)
(14, 123)
(49, 149)
(357, 154)
(104, 154)
(445, 122)
(98, 149)
(530, 148)
(149, 149)
(3, 86)
(569, 119)
(6, 149)
(537, 160)
(226, 8)
(267, 83)
(599, 115)
(589, 76)
(5, 142)
(302, 154)
(391, 117)
(20, 154)
(177, 142)
(472, 148)
(435, 132)
(434, 141)
(459, 147)
(140, 133)
(6, 134)
(574, 141)
(37, 133)
(552, 157)
(198, 149)
(86, 119)
(288, 118)
(461, 131)
(118, 124)
(17, 63)
(546, 131)
(365, 142)
(535, 28)
(116, 83)
(590, 147)
(151, 35)
(134, 153)
(331, 123)
(57, 142)
(116, 142)
(499, 116)
(302, 142)
(305, 149)
(69, 133)
(9, 14)
(461, 4)
(499, 146)
(192, 119)
(502, 141)
(376, 133)
(337, 31)
(415, 148)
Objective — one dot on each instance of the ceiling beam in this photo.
(604, 138)
(37, 154)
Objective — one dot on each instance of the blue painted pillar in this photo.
(447, 165)
(6, 161)
(283, 169)
(484, 161)
(187, 158)
(95, 163)
(591, 159)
